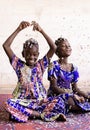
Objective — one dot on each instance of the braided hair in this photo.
(30, 43)
(59, 41)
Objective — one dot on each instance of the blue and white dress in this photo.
(64, 81)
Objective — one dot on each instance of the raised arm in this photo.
(50, 42)
(8, 42)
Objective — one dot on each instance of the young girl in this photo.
(63, 77)
(29, 92)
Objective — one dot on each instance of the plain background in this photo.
(66, 18)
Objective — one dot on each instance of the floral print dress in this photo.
(29, 90)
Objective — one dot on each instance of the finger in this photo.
(33, 22)
(25, 24)
(34, 29)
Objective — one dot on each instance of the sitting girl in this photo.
(30, 91)
(63, 77)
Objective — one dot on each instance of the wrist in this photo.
(87, 96)
(41, 30)
(18, 30)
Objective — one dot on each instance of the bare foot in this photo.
(36, 114)
(62, 117)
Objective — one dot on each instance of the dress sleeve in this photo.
(44, 62)
(75, 74)
(16, 62)
(52, 70)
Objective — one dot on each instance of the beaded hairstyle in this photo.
(30, 43)
(59, 41)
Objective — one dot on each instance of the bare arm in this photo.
(48, 39)
(55, 88)
(8, 42)
(78, 91)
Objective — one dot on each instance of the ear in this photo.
(38, 53)
(23, 53)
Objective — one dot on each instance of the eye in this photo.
(28, 56)
(36, 54)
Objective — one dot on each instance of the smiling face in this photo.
(30, 52)
(63, 48)
(31, 56)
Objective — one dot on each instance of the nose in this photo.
(68, 47)
(31, 56)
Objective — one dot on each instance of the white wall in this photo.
(66, 18)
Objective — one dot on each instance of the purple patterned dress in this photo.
(64, 80)
(29, 90)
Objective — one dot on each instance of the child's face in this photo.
(64, 49)
(31, 55)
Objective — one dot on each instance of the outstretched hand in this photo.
(36, 26)
(23, 25)
(79, 98)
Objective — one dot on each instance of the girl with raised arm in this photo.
(30, 91)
